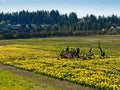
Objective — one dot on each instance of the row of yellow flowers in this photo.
(103, 74)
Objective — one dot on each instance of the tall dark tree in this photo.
(73, 18)
(54, 17)
(52, 23)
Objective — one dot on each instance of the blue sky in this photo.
(81, 7)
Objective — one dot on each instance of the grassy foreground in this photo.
(40, 56)
(9, 81)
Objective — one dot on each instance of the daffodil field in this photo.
(42, 56)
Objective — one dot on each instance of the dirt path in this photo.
(43, 82)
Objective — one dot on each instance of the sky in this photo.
(80, 7)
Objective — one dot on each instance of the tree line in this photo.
(52, 23)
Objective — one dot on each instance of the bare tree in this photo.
(77, 53)
(90, 55)
(101, 51)
(67, 49)
(65, 54)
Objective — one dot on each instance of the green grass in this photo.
(10, 81)
(109, 43)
